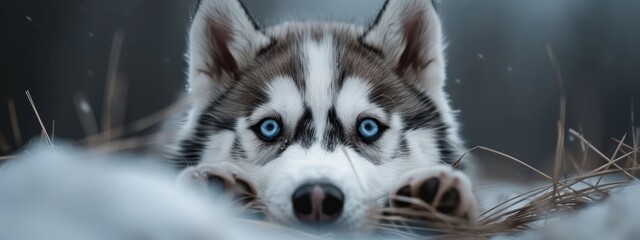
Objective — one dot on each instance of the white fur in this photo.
(285, 99)
(218, 148)
(424, 146)
(353, 101)
(320, 69)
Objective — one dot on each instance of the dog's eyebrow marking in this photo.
(353, 99)
(284, 99)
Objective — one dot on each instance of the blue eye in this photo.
(368, 129)
(269, 129)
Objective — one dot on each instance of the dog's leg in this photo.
(223, 179)
(444, 189)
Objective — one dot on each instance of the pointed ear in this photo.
(408, 33)
(222, 40)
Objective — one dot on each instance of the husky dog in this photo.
(323, 121)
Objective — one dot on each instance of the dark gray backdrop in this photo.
(499, 73)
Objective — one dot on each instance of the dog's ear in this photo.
(222, 40)
(407, 32)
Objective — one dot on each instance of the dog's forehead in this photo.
(319, 57)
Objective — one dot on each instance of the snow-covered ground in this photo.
(72, 194)
(47, 194)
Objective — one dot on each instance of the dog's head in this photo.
(323, 116)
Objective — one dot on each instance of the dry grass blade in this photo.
(458, 163)
(487, 216)
(614, 161)
(576, 134)
(635, 134)
(127, 144)
(4, 145)
(541, 190)
(53, 132)
(615, 153)
(514, 159)
(136, 126)
(627, 146)
(114, 96)
(545, 204)
(561, 122)
(541, 207)
(35, 110)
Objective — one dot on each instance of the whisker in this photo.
(353, 167)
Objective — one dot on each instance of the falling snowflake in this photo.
(480, 56)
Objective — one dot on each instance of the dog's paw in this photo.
(218, 180)
(441, 188)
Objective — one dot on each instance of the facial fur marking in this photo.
(217, 116)
(305, 131)
(430, 117)
(334, 134)
(445, 148)
(402, 150)
(237, 151)
(192, 147)
(375, 160)
(272, 153)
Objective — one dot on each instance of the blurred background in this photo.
(499, 73)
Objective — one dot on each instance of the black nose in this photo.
(317, 203)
